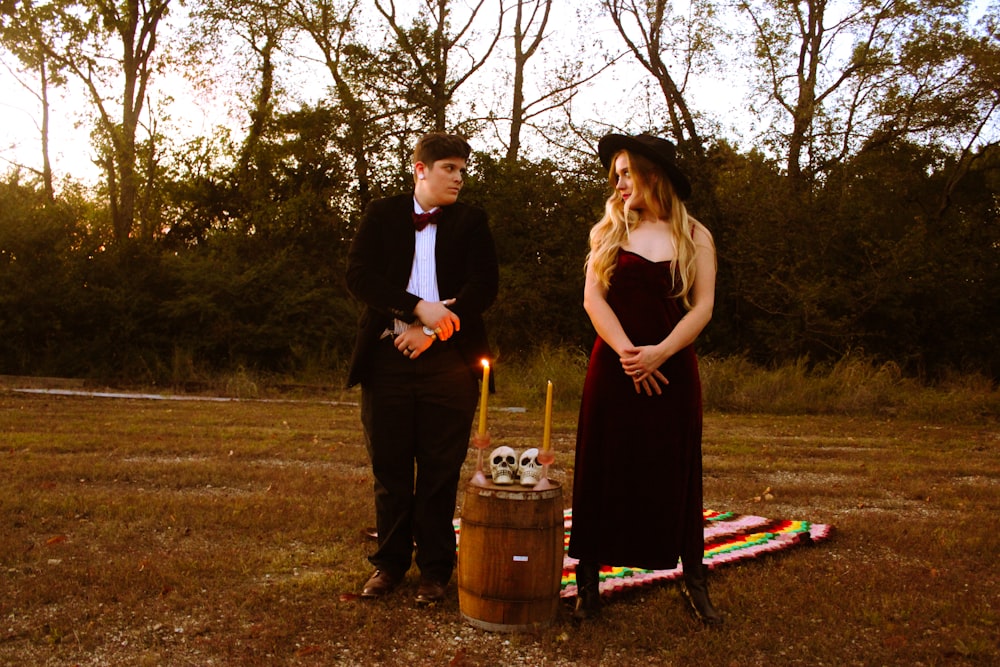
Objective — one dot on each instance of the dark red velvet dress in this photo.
(637, 490)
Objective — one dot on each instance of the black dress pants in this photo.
(417, 416)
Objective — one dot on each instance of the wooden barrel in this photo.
(510, 557)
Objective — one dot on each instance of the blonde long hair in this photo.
(612, 231)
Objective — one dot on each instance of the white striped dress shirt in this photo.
(423, 274)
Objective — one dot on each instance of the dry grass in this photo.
(144, 532)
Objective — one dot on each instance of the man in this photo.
(425, 269)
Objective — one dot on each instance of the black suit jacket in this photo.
(378, 270)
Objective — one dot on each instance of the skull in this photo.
(529, 467)
(503, 464)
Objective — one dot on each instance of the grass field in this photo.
(195, 532)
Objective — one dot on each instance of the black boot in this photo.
(588, 592)
(695, 591)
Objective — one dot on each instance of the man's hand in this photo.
(413, 342)
(435, 315)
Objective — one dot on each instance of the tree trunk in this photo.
(261, 113)
(50, 192)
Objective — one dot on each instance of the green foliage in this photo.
(540, 218)
(41, 245)
(893, 255)
(873, 260)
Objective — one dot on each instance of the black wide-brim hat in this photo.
(659, 151)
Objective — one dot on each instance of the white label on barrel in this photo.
(520, 559)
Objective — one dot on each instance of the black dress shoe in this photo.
(430, 591)
(379, 584)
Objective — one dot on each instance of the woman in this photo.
(650, 290)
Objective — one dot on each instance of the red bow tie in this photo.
(421, 220)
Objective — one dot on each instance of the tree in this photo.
(134, 25)
(541, 244)
(262, 28)
(367, 106)
(845, 74)
(561, 83)
(42, 244)
(21, 32)
(522, 53)
(78, 37)
(654, 33)
(949, 97)
(424, 69)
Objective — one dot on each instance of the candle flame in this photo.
(486, 363)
